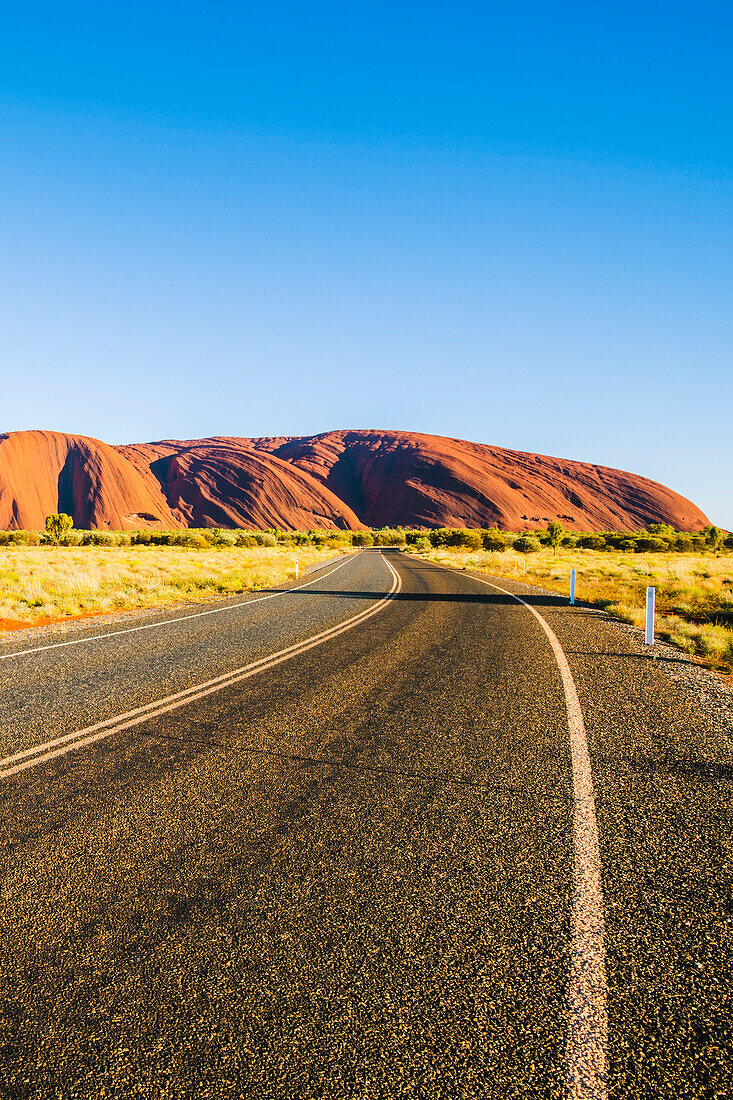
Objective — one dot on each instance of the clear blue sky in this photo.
(506, 222)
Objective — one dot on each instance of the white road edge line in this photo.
(29, 758)
(586, 1067)
(180, 619)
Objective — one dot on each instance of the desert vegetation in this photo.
(60, 572)
(40, 584)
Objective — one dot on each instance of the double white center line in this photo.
(59, 746)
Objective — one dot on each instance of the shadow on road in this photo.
(437, 597)
(685, 767)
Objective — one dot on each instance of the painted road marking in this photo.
(59, 746)
(180, 619)
(585, 1055)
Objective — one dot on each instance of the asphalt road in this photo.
(354, 873)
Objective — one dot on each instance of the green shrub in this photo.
(615, 538)
(713, 536)
(591, 542)
(651, 545)
(468, 540)
(495, 540)
(527, 544)
(26, 538)
(58, 526)
(266, 538)
(98, 538)
(389, 536)
(362, 538)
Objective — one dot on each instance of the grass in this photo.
(51, 582)
(694, 591)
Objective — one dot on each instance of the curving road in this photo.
(339, 842)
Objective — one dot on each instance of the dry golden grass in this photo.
(694, 591)
(55, 581)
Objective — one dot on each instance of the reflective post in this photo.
(572, 586)
(650, 602)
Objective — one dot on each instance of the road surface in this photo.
(326, 844)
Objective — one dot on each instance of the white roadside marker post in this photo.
(297, 564)
(572, 586)
(650, 602)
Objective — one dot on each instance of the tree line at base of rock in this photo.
(656, 538)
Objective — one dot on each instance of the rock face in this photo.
(347, 479)
(43, 472)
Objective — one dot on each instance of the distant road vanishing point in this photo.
(393, 832)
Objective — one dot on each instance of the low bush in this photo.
(591, 542)
(527, 544)
(651, 546)
(389, 536)
(362, 538)
(25, 538)
(495, 540)
(469, 540)
(99, 538)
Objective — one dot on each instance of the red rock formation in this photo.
(227, 483)
(346, 479)
(403, 477)
(43, 472)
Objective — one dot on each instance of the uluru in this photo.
(339, 479)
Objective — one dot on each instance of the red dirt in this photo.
(46, 620)
(344, 479)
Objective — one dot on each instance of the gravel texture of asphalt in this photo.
(351, 875)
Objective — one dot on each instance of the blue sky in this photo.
(510, 223)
